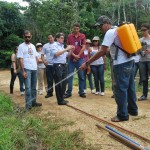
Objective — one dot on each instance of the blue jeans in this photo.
(21, 81)
(98, 73)
(144, 68)
(89, 79)
(13, 78)
(30, 87)
(71, 67)
(125, 89)
(50, 78)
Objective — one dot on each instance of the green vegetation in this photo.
(21, 130)
(44, 17)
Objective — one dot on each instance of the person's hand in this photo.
(76, 56)
(24, 74)
(15, 71)
(88, 70)
(70, 47)
(83, 66)
(45, 63)
(147, 51)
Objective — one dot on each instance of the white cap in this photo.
(39, 44)
(95, 38)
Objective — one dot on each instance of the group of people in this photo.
(48, 63)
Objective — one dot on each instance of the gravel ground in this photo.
(103, 107)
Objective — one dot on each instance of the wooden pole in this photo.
(110, 123)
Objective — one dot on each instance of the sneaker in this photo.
(92, 91)
(48, 95)
(83, 95)
(102, 93)
(40, 93)
(96, 93)
(66, 96)
(21, 93)
(113, 96)
(64, 102)
(133, 113)
(85, 91)
(142, 98)
(36, 104)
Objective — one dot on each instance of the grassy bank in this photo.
(21, 130)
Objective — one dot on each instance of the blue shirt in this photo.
(46, 50)
(61, 58)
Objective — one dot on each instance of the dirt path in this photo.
(100, 106)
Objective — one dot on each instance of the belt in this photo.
(59, 64)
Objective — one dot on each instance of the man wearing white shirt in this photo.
(46, 51)
(123, 67)
(28, 61)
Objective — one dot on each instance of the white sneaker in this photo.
(96, 93)
(40, 93)
(21, 93)
(85, 91)
(92, 91)
(102, 93)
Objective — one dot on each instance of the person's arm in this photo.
(99, 54)
(104, 58)
(69, 47)
(82, 50)
(22, 68)
(43, 60)
(14, 62)
(37, 60)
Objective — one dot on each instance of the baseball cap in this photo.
(39, 44)
(88, 41)
(102, 20)
(95, 38)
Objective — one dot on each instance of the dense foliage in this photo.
(52, 16)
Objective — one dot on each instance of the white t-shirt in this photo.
(99, 61)
(137, 58)
(29, 54)
(40, 65)
(110, 38)
(46, 50)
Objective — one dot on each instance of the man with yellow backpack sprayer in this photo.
(123, 67)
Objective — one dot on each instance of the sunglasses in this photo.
(144, 30)
(95, 41)
(28, 37)
(100, 26)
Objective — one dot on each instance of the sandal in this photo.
(116, 119)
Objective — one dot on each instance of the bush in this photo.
(5, 58)
(11, 41)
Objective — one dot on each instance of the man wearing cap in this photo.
(123, 67)
(78, 40)
(46, 50)
(28, 62)
(41, 72)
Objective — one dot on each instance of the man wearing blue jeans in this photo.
(78, 40)
(28, 62)
(123, 67)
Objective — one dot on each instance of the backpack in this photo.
(129, 39)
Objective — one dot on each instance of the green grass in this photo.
(21, 130)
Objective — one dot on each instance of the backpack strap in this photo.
(117, 49)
